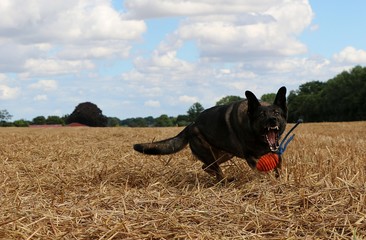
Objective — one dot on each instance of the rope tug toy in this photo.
(270, 160)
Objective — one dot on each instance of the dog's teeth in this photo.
(273, 149)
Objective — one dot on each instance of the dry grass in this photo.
(88, 183)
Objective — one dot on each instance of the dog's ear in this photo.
(280, 99)
(253, 102)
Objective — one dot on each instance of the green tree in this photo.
(113, 122)
(163, 121)
(311, 88)
(306, 103)
(5, 115)
(268, 97)
(341, 98)
(344, 96)
(149, 121)
(54, 120)
(40, 120)
(138, 122)
(194, 111)
(64, 117)
(134, 122)
(21, 123)
(228, 99)
(182, 120)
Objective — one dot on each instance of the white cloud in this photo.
(314, 27)
(152, 103)
(63, 29)
(163, 61)
(160, 8)
(232, 30)
(41, 97)
(216, 48)
(44, 85)
(149, 91)
(47, 67)
(161, 73)
(7, 92)
(66, 21)
(3, 77)
(350, 55)
(188, 99)
(92, 51)
(225, 71)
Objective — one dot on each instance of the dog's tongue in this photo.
(271, 138)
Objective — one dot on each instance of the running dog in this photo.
(246, 129)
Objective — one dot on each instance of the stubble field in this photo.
(88, 183)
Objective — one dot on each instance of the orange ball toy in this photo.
(268, 162)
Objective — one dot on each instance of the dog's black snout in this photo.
(272, 121)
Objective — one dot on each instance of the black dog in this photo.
(246, 129)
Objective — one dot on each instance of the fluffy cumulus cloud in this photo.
(46, 67)
(152, 103)
(3, 77)
(234, 30)
(188, 99)
(255, 37)
(7, 92)
(163, 60)
(66, 21)
(161, 8)
(32, 32)
(88, 50)
(45, 85)
(65, 40)
(351, 55)
(41, 97)
(257, 42)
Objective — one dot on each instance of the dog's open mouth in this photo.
(271, 134)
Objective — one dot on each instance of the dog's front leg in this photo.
(278, 167)
(252, 161)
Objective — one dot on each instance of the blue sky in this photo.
(339, 25)
(138, 58)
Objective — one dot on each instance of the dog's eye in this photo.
(276, 113)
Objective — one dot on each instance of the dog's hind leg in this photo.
(210, 156)
(214, 168)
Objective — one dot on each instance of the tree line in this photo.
(85, 113)
(89, 114)
(341, 98)
(180, 120)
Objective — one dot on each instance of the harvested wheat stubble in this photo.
(88, 183)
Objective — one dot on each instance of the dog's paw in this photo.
(225, 181)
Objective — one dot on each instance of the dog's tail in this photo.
(167, 146)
